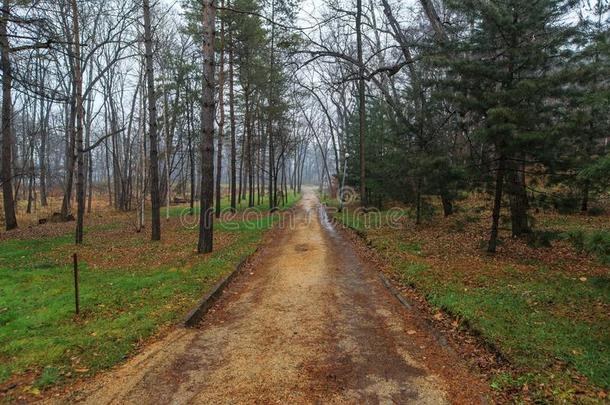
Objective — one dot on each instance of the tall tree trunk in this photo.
(272, 171)
(78, 135)
(108, 185)
(168, 150)
(152, 119)
(233, 140)
(361, 101)
(206, 217)
(221, 106)
(10, 218)
(191, 152)
(193, 173)
(141, 176)
(31, 183)
(70, 157)
(42, 154)
(249, 155)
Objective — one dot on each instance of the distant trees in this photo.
(411, 103)
(496, 96)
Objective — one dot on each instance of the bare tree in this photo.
(10, 218)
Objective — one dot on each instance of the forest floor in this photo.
(307, 321)
(132, 290)
(542, 307)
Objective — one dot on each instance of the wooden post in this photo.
(76, 283)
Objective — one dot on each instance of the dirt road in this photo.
(307, 323)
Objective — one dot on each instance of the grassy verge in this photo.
(546, 310)
(130, 289)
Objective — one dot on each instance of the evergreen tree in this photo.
(503, 72)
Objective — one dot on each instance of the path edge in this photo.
(196, 314)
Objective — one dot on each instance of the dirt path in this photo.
(308, 323)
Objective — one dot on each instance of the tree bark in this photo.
(233, 140)
(10, 218)
(447, 203)
(584, 205)
(518, 201)
(272, 171)
(221, 123)
(495, 216)
(78, 135)
(435, 21)
(206, 217)
(152, 119)
(361, 102)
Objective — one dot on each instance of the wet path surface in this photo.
(306, 323)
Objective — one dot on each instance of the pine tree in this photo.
(503, 69)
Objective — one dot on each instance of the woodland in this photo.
(485, 123)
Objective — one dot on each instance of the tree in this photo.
(502, 72)
(155, 196)
(78, 136)
(361, 102)
(7, 105)
(206, 218)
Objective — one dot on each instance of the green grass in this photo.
(536, 321)
(119, 308)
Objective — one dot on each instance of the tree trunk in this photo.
(206, 217)
(233, 141)
(221, 123)
(495, 216)
(518, 201)
(10, 218)
(361, 102)
(418, 202)
(447, 203)
(78, 135)
(435, 21)
(70, 157)
(42, 157)
(584, 206)
(272, 171)
(152, 118)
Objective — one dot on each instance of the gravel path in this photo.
(307, 322)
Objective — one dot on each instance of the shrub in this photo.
(576, 237)
(458, 225)
(595, 242)
(566, 203)
(596, 211)
(541, 201)
(598, 243)
(538, 239)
